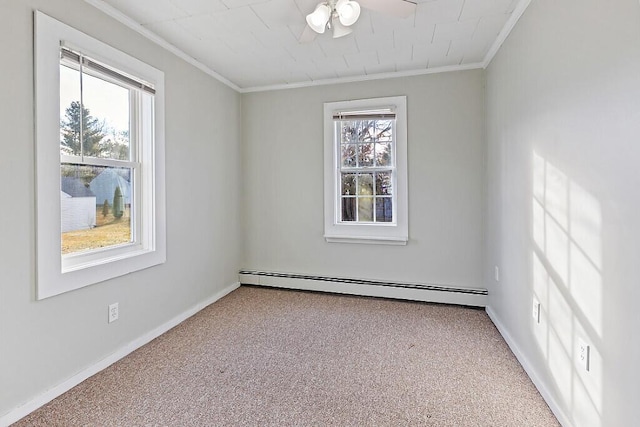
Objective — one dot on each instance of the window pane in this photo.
(383, 183)
(366, 130)
(349, 155)
(348, 184)
(106, 119)
(384, 209)
(69, 108)
(104, 115)
(365, 155)
(365, 184)
(384, 130)
(95, 207)
(383, 154)
(348, 132)
(348, 209)
(365, 209)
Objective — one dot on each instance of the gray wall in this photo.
(563, 131)
(559, 211)
(46, 342)
(283, 187)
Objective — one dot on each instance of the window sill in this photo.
(368, 240)
(80, 261)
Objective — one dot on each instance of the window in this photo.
(366, 171)
(100, 189)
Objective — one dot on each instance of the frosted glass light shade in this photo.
(318, 19)
(339, 30)
(348, 11)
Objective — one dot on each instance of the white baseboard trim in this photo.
(397, 290)
(46, 397)
(562, 417)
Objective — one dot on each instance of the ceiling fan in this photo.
(340, 15)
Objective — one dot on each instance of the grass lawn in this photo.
(109, 231)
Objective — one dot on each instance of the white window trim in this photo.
(396, 233)
(53, 275)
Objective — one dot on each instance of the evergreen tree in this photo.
(105, 208)
(118, 203)
(92, 132)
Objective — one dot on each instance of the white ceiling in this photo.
(253, 44)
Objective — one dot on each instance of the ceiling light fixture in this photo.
(339, 30)
(319, 18)
(338, 15)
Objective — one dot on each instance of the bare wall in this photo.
(562, 106)
(283, 185)
(43, 343)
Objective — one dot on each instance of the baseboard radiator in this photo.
(399, 290)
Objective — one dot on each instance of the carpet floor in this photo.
(268, 357)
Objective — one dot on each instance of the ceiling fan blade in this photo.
(399, 8)
(308, 35)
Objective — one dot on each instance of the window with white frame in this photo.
(366, 171)
(100, 189)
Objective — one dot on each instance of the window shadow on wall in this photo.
(567, 281)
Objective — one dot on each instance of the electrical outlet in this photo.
(113, 312)
(535, 310)
(584, 351)
(496, 273)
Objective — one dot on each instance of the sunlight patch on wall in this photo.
(586, 255)
(567, 281)
(557, 250)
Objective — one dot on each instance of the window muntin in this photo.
(365, 145)
(128, 150)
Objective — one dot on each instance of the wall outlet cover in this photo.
(535, 310)
(113, 312)
(584, 351)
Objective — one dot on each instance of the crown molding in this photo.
(352, 79)
(506, 30)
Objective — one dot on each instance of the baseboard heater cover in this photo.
(401, 290)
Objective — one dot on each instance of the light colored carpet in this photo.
(267, 357)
